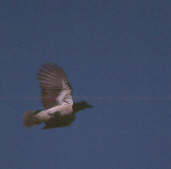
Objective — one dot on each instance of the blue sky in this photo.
(117, 57)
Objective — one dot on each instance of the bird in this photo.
(57, 99)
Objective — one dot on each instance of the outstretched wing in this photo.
(55, 86)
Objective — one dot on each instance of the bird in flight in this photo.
(57, 99)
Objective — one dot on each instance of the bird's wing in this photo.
(55, 86)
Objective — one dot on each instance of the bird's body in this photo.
(47, 114)
(56, 98)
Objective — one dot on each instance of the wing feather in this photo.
(53, 82)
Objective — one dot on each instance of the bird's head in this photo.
(81, 106)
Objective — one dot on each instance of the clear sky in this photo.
(117, 54)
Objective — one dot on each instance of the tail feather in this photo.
(30, 119)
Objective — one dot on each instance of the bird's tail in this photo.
(30, 119)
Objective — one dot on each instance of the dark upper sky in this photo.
(117, 56)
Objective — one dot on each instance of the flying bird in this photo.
(57, 99)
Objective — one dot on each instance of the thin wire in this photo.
(98, 98)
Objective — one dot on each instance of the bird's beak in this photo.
(90, 106)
